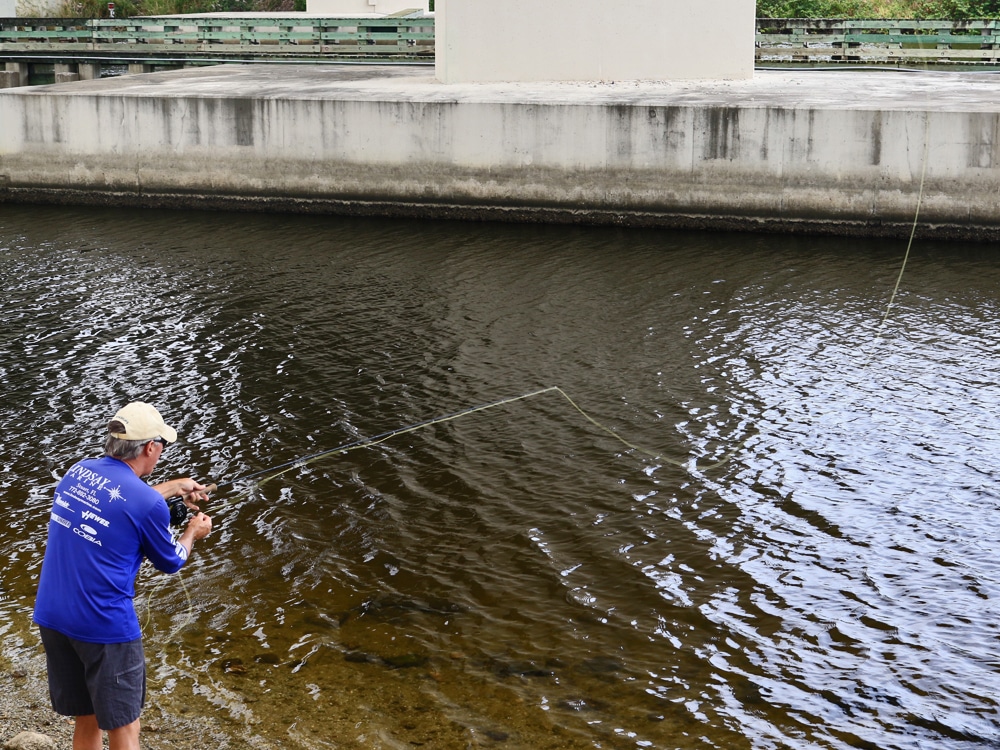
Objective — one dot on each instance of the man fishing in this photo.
(105, 520)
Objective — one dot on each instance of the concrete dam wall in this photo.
(833, 152)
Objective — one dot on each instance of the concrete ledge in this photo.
(840, 152)
(520, 215)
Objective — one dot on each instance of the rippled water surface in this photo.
(797, 547)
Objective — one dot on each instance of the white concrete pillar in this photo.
(136, 68)
(594, 40)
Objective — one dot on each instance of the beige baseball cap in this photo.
(142, 422)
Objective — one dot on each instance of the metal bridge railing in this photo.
(404, 37)
(411, 37)
(844, 40)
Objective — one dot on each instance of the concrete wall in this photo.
(735, 156)
(8, 9)
(594, 40)
(362, 7)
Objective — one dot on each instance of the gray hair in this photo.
(119, 448)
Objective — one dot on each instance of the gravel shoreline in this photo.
(24, 707)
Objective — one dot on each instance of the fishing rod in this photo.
(178, 509)
(375, 440)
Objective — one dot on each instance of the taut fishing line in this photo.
(276, 471)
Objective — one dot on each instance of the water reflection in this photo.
(517, 577)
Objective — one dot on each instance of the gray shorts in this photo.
(104, 679)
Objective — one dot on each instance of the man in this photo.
(105, 520)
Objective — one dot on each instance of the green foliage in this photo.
(950, 9)
(126, 8)
(96, 8)
(962, 8)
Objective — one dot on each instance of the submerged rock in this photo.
(600, 665)
(520, 669)
(360, 657)
(398, 661)
(405, 661)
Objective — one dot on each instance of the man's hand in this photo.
(191, 499)
(191, 491)
(200, 525)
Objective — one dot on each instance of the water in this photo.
(517, 577)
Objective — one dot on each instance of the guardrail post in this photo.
(89, 71)
(19, 73)
(66, 73)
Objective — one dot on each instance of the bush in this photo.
(127, 8)
(95, 8)
(951, 9)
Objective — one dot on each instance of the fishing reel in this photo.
(179, 512)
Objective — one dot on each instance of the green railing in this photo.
(412, 37)
(812, 40)
(400, 37)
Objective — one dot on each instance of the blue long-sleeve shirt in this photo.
(104, 521)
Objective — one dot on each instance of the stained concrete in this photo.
(850, 152)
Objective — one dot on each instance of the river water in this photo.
(780, 532)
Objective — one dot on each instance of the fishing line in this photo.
(913, 230)
(923, 175)
(916, 215)
(275, 471)
(179, 576)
